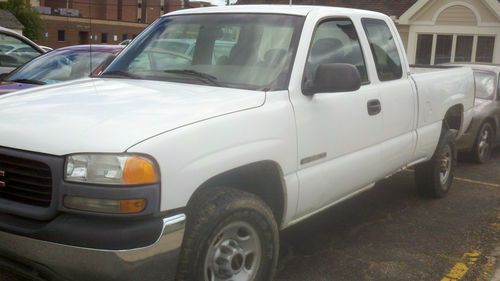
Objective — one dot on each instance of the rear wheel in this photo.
(231, 235)
(483, 146)
(434, 177)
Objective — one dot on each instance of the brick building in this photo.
(71, 22)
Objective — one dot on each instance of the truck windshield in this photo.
(246, 51)
(485, 84)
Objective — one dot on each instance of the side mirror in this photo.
(333, 78)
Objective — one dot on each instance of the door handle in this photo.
(374, 107)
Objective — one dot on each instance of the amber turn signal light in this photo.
(139, 170)
(110, 206)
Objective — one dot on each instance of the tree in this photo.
(26, 15)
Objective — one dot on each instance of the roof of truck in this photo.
(300, 10)
(391, 8)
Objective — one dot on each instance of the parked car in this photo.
(484, 132)
(61, 65)
(15, 50)
(189, 173)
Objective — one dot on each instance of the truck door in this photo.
(398, 98)
(338, 133)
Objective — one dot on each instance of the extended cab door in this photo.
(338, 132)
(398, 97)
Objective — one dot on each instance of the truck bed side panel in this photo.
(438, 91)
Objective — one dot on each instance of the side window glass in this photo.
(384, 49)
(335, 41)
(14, 51)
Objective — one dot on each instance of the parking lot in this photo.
(389, 233)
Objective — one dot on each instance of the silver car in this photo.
(483, 133)
(15, 50)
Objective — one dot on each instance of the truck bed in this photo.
(441, 87)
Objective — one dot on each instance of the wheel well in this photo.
(492, 122)
(264, 179)
(453, 117)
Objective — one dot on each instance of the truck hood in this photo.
(109, 115)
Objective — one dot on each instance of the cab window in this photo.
(384, 49)
(335, 41)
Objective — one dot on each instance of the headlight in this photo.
(112, 169)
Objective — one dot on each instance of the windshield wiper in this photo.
(28, 81)
(118, 73)
(193, 73)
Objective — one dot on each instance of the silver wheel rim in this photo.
(484, 144)
(234, 254)
(446, 161)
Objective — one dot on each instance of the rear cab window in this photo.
(384, 49)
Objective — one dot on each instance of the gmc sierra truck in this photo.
(212, 131)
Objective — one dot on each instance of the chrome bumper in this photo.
(61, 262)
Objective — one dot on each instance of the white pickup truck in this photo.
(186, 164)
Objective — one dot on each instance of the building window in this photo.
(61, 35)
(463, 51)
(424, 49)
(454, 48)
(485, 46)
(124, 37)
(104, 38)
(443, 49)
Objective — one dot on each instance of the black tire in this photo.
(483, 145)
(210, 213)
(428, 175)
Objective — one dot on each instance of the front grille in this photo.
(25, 181)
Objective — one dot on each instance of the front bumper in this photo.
(53, 261)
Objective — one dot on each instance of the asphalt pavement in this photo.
(389, 233)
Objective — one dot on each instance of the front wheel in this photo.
(483, 145)
(231, 235)
(434, 177)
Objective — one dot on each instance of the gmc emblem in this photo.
(2, 174)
